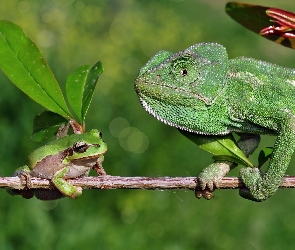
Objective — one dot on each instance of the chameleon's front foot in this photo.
(210, 178)
(258, 188)
(212, 175)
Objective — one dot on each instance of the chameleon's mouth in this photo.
(162, 91)
(164, 101)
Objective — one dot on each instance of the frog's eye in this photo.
(80, 147)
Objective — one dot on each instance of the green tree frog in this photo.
(69, 157)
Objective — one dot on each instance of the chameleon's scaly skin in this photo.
(201, 91)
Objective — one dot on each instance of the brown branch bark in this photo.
(118, 182)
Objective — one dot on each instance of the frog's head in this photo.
(170, 85)
(86, 147)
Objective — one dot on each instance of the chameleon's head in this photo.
(173, 86)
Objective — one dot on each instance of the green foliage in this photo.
(80, 87)
(24, 65)
(222, 147)
(46, 124)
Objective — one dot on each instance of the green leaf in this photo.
(222, 147)
(75, 88)
(231, 150)
(91, 81)
(264, 155)
(24, 65)
(46, 125)
(80, 86)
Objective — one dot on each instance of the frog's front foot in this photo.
(63, 186)
(212, 175)
(99, 169)
(258, 187)
(24, 174)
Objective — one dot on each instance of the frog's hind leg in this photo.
(63, 186)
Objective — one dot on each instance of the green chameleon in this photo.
(202, 92)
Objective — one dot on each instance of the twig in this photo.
(118, 182)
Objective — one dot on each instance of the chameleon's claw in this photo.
(208, 184)
(207, 194)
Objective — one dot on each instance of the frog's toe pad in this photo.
(77, 192)
(23, 171)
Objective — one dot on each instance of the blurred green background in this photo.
(124, 35)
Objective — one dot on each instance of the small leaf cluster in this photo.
(25, 66)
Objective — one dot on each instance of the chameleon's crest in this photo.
(212, 74)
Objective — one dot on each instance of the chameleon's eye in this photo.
(183, 72)
(80, 147)
(181, 65)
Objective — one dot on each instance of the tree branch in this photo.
(118, 182)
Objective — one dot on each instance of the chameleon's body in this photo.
(201, 91)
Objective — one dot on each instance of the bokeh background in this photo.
(124, 35)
